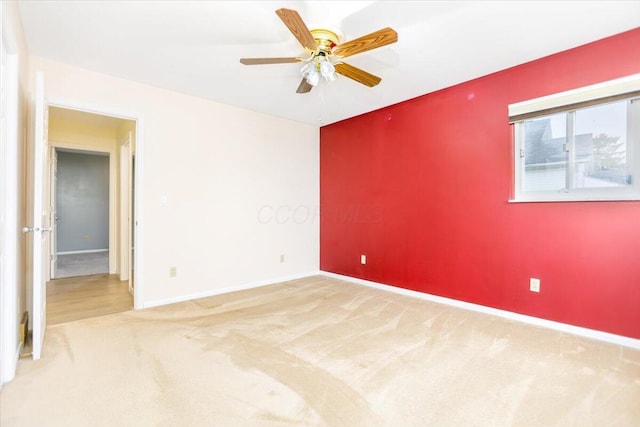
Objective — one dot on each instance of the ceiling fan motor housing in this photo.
(326, 40)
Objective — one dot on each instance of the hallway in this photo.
(84, 264)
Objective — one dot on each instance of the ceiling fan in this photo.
(325, 51)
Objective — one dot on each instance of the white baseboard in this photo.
(88, 251)
(571, 329)
(550, 324)
(210, 293)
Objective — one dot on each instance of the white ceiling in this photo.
(194, 47)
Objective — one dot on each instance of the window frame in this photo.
(627, 88)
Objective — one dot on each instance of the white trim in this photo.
(88, 251)
(601, 90)
(82, 149)
(51, 208)
(587, 199)
(228, 289)
(94, 109)
(124, 206)
(563, 327)
(138, 215)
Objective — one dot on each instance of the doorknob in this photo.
(29, 229)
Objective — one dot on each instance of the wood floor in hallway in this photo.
(86, 296)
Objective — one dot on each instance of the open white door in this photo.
(38, 229)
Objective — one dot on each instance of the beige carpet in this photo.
(319, 352)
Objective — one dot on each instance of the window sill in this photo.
(620, 199)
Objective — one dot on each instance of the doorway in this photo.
(86, 199)
(80, 241)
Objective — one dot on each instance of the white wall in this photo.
(225, 173)
(12, 210)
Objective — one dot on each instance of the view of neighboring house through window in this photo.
(587, 153)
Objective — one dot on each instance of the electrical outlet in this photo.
(281, 257)
(173, 271)
(363, 259)
(534, 285)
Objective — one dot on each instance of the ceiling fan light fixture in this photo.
(313, 78)
(310, 73)
(316, 67)
(307, 68)
(327, 70)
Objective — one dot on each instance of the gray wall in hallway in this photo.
(82, 202)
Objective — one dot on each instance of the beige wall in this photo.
(242, 188)
(82, 135)
(14, 268)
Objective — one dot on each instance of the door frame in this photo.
(125, 208)
(113, 182)
(53, 214)
(138, 214)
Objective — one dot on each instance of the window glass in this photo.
(588, 153)
(581, 144)
(601, 147)
(545, 155)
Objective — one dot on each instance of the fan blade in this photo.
(362, 44)
(260, 61)
(299, 29)
(304, 87)
(357, 74)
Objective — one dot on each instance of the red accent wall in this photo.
(421, 189)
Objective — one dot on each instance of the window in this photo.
(579, 145)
